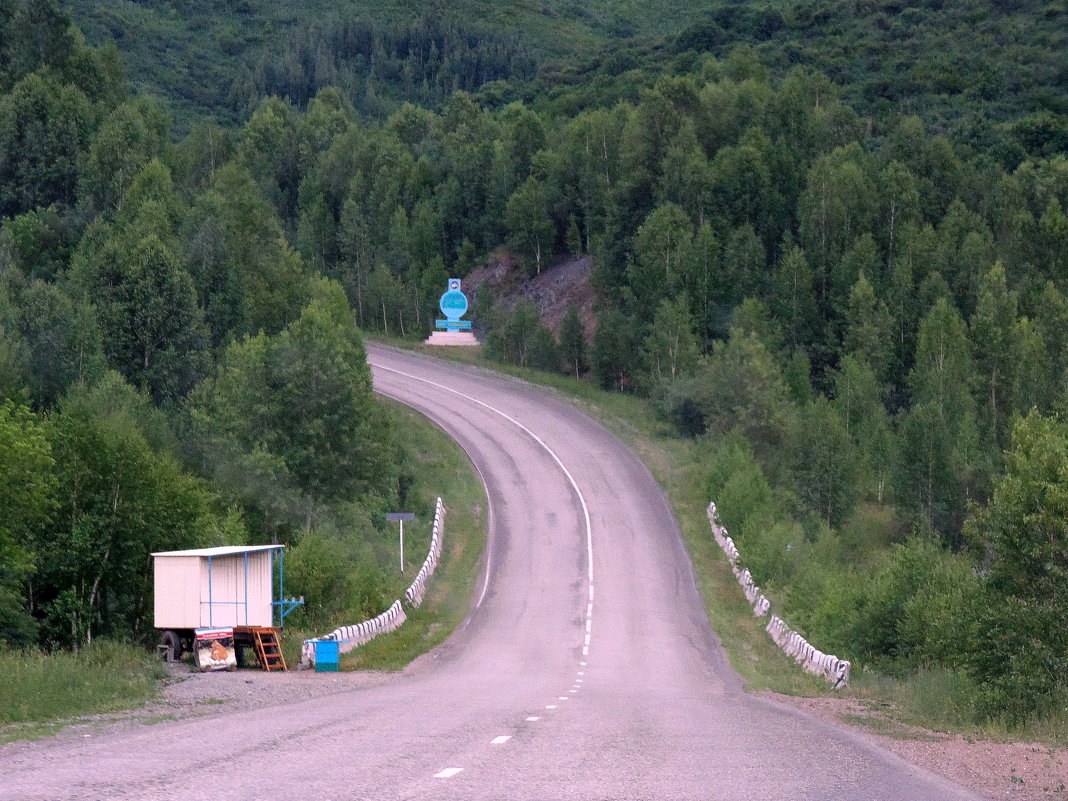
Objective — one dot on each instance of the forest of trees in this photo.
(422, 62)
(860, 313)
(172, 374)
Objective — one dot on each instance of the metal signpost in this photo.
(401, 517)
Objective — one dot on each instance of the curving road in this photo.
(586, 670)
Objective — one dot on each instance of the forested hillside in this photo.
(213, 58)
(830, 243)
(963, 65)
(172, 374)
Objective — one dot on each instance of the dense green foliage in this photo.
(962, 65)
(171, 374)
(379, 66)
(830, 243)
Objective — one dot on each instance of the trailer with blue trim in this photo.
(217, 602)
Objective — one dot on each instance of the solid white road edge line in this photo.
(489, 504)
(535, 437)
(489, 540)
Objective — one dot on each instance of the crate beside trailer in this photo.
(229, 587)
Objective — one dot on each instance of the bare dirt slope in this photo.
(565, 283)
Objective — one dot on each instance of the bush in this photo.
(737, 484)
(1018, 666)
(340, 581)
(910, 612)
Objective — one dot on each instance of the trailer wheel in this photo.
(173, 643)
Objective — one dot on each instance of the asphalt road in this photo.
(586, 670)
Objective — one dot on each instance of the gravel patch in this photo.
(190, 692)
(998, 771)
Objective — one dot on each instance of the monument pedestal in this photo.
(454, 338)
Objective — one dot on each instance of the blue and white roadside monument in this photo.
(452, 330)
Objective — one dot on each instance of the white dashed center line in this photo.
(533, 719)
(448, 773)
(501, 740)
(550, 706)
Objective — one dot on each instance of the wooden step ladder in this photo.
(268, 648)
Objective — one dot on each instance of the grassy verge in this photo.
(445, 471)
(38, 688)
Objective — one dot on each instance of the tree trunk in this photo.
(359, 294)
(890, 247)
(994, 402)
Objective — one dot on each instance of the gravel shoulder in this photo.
(189, 692)
(996, 770)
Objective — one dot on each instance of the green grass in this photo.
(38, 688)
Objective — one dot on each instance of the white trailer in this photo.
(230, 587)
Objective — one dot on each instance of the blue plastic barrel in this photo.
(326, 656)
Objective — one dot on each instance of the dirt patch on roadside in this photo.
(995, 770)
(189, 693)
